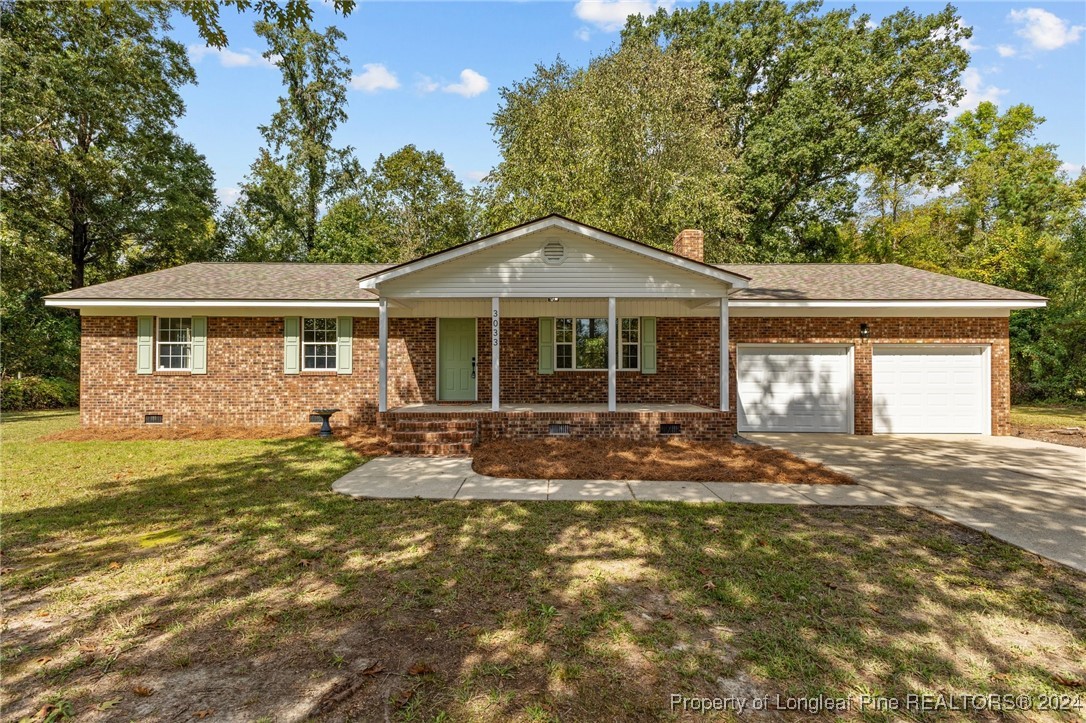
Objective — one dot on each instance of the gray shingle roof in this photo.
(246, 281)
(863, 282)
(339, 282)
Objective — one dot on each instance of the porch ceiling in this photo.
(552, 408)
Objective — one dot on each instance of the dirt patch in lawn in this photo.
(672, 460)
(366, 440)
(1069, 436)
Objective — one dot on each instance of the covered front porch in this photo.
(554, 328)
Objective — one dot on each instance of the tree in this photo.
(90, 102)
(298, 170)
(284, 13)
(410, 204)
(817, 97)
(634, 143)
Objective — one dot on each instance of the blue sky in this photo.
(429, 73)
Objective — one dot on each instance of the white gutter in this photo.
(224, 303)
(884, 304)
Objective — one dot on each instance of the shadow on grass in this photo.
(248, 587)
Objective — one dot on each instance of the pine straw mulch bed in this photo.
(1068, 436)
(367, 441)
(671, 461)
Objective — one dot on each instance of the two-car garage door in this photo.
(915, 388)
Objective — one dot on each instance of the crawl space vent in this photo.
(559, 429)
(152, 419)
(671, 429)
(554, 253)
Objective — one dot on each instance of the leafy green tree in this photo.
(634, 143)
(298, 170)
(410, 204)
(283, 13)
(818, 96)
(87, 136)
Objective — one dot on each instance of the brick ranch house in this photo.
(550, 327)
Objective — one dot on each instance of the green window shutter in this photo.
(292, 345)
(546, 345)
(145, 344)
(199, 345)
(648, 344)
(345, 334)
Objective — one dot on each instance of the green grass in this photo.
(164, 579)
(1040, 414)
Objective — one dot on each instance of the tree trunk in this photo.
(79, 254)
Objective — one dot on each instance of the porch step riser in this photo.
(458, 449)
(411, 436)
(434, 425)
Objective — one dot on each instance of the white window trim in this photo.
(618, 350)
(159, 343)
(334, 344)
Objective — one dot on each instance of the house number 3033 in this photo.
(494, 329)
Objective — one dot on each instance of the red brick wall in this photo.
(245, 383)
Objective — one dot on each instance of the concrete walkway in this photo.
(449, 478)
(1030, 494)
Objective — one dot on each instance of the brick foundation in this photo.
(245, 383)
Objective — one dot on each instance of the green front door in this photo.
(456, 360)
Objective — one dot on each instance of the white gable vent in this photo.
(554, 253)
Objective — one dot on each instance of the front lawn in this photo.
(174, 580)
(1051, 422)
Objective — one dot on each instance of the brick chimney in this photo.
(690, 243)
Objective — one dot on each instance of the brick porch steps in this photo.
(433, 437)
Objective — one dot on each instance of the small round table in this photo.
(325, 415)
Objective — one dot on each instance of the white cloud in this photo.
(374, 77)
(1006, 51)
(471, 84)
(247, 58)
(1043, 30)
(610, 15)
(583, 34)
(476, 176)
(977, 91)
(1072, 169)
(228, 196)
(426, 84)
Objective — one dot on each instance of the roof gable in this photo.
(553, 256)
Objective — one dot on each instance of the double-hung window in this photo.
(174, 341)
(581, 344)
(319, 344)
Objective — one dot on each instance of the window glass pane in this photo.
(630, 329)
(563, 330)
(319, 331)
(629, 356)
(320, 356)
(591, 343)
(564, 356)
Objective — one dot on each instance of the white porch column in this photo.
(725, 372)
(495, 354)
(612, 360)
(382, 355)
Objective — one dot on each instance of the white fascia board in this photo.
(205, 303)
(903, 304)
(734, 280)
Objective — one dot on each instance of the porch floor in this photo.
(482, 407)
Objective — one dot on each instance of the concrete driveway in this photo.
(1031, 494)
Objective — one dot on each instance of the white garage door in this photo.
(794, 388)
(926, 389)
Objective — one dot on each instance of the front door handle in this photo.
(473, 367)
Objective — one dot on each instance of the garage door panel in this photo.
(794, 389)
(926, 389)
